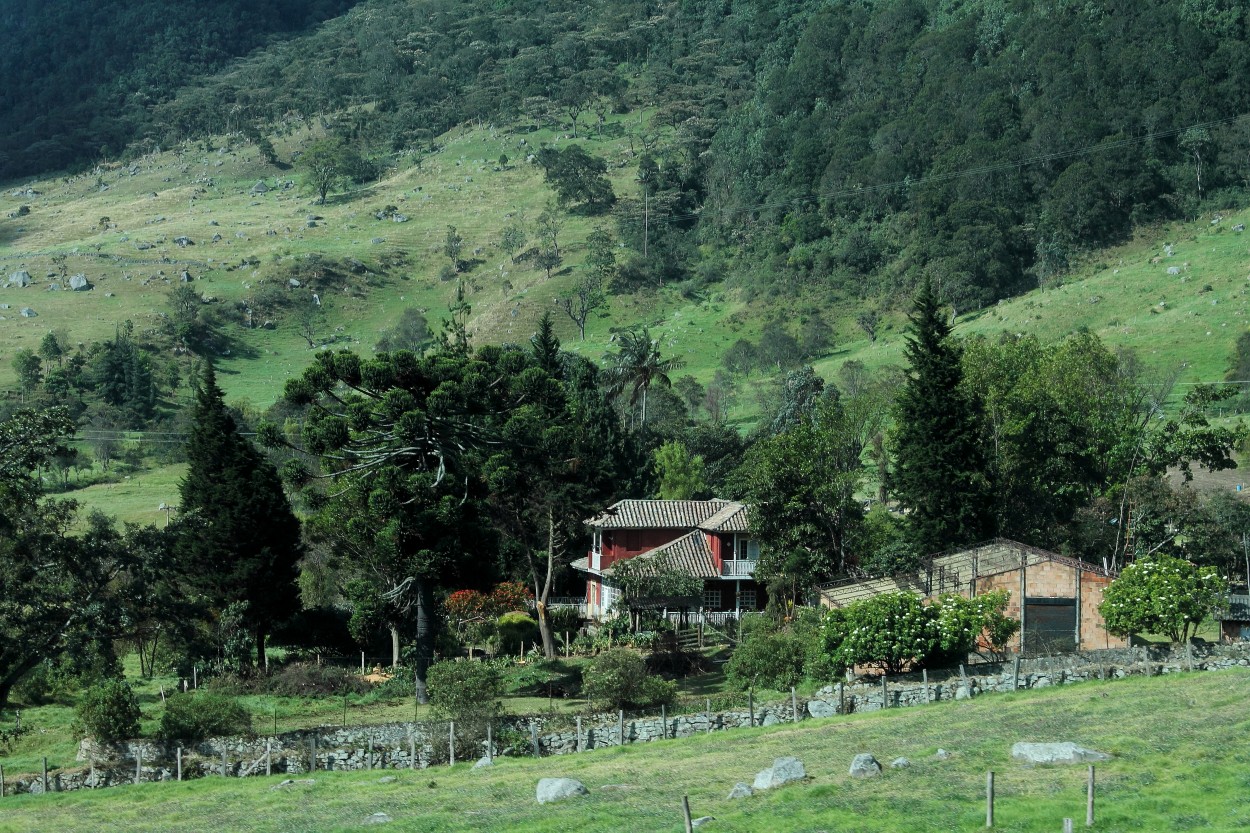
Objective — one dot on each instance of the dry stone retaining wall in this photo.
(393, 746)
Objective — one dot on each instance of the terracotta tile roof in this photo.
(581, 564)
(688, 554)
(732, 518)
(663, 514)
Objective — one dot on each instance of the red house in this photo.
(708, 538)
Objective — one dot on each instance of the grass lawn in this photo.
(1176, 767)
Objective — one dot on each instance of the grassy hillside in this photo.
(1174, 769)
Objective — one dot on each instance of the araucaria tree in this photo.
(238, 540)
(940, 467)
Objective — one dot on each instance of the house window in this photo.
(711, 598)
(746, 600)
(748, 549)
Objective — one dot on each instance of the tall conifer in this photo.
(240, 540)
(940, 470)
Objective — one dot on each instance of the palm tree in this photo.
(636, 366)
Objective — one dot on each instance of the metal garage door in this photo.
(1049, 625)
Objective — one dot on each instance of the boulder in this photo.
(483, 762)
(1056, 753)
(558, 789)
(20, 278)
(260, 187)
(293, 283)
(702, 820)
(783, 771)
(79, 283)
(942, 755)
(1174, 270)
(900, 763)
(741, 790)
(378, 818)
(865, 765)
(821, 708)
(184, 241)
(387, 779)
(27, 312)
(184, 276)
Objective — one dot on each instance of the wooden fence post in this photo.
(179, 759)
(369, 754)
(1, 781)
(1189, 656)
(45, 774)
(1067, 826)
(708, 712)
(312, 758)
(685, 812)
(751, 706)
(663, 722)
(412, 749)
(794, 705)
(841, 698)
(989, 798)
(578, 747)
(1015, 681)
(885, 693)
(225, 761)
(620, 728)
(490, 742)
(268, 756)
(924, 677)
(1089, 799)
(138, 765)
(534, 739)
(451, 743)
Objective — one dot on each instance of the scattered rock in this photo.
(20, 278)
(741, 790)
(184, 276)
(27, 312)
(557, 789)
(387, 779)
(184, 241)
(865, 765)
(900, 763)
(963, 693)
(399, 218)
(291, 782)
(79, 283)
(293, 283)
(702, 820)
(378, 818)
(375, 241)
(1056, 753)
(483, 762)
(1239, 227)
(783, 771)
(1174, 270)
(942, 755)
(260, 187)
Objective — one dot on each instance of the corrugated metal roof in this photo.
(688, 554)
(659, 514)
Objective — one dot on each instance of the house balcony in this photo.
(738, 568)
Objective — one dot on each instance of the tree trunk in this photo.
(260, 648)
(424, 642)
(394, 647)
(544, 627)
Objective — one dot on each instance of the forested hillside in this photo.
(848, 145)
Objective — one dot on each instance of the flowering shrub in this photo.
(897, 631)
(1161, 594)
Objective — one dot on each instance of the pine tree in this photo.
(940, 469)
(240, 541)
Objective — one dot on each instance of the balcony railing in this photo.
(740, 568)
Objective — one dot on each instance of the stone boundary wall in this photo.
(420, 745)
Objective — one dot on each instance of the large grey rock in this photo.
(741, 790)
(821, 708)
(260, 187)
(865, 765)
(1056, 753)
(483, 762)
(558, 789)
(783, 771)
(900, 763)
(20, 278)
(27, 312)
(79, 283)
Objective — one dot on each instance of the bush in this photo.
(1162, 594)
(465, 691)
(197, 715)
(306, 679)
(109, 711)
(767, 660)
(514, 629)
(619, 679)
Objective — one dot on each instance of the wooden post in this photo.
(708, 712)
(178, 757)
(1189, 656)
(225, 762)
(685, 812)
(794, 705)
(663, 722)
(1089, 799)
(312, 757)
(1067, 826)
(620, 728)
(885, 693)
(578, 747)
(841, 698)
(362, 662)
(1015, 680)
(451, 743)
(490, 743)
(45, 774)
(534, 739)
(751, 707)
(268, 756)
(369, 754)
(195, 676)
(924, 676)
(412, 749)
(989, 798)
(1, 781)
(138, 765)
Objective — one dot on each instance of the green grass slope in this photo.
(1180, 764)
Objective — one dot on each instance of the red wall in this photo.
(619, 544)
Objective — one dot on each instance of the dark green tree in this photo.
(577, 177)
(238, 540)
(941, 473)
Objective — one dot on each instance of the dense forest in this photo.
(850, 146)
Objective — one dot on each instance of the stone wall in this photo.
(419, 745)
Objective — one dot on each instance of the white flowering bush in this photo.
(1162, 594)
(898, 631)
